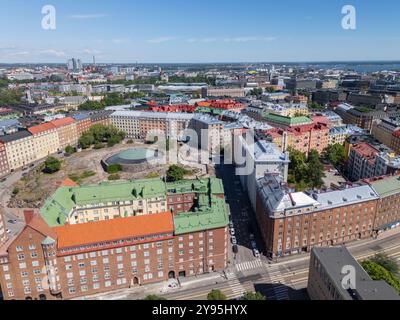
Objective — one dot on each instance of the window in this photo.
(22, 265)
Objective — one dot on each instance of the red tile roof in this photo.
(70, 236)
(62, 122)
(41, 128)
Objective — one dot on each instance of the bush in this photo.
(176, 173)
(51, 165)
(70, 150)
(114, 168)
(15, 191)
(153, 297)
(114, 177)
(253, 296)
(99, 146)
(152, 175)
(216, 295)
(130, 141)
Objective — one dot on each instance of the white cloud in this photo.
(120, 41)
(248, 39)
(161, 39)
(53, 52)
(203, 40)
(88, 16)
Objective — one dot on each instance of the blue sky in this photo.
(199, 31)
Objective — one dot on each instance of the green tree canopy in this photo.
(153, 297)
(176, 173)
(335, 154)
(51, 165)
(253, 296)
(377, 272)
(100, 134)
(216, 295)
(315, 169)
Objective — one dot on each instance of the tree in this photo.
(335, 154)
(100, 134)
(114, 168)
(386, 262)
(114, 177)
(315, 169)
(70, 150)
(176, 173)
(256, 92)
(153, 297)
(51, 165)
(377, 272)
(253, 296)
(216, 295)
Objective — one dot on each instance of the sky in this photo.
(197, 31)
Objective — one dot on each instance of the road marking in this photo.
(249, 265)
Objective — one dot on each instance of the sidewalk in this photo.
(161, 288)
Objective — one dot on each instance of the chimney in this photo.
(29, 215)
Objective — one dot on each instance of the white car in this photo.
(234, 240)
(8, 231)
(232, 232)
(256, 253)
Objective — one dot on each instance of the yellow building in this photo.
(45, 140)
(19, 149)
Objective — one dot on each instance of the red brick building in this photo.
(292, 223)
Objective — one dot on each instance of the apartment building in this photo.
(4, 167)
(20, 149)
(224, 92)
(138, 124)
(101, 117)
(294, 222)
(283, 122)
(395, 144)
(67, 132)
(383, 130)
(302, 138)
(368, 161)
(287, 110)
(105, 201)
(209, 132)
(3, 234)
(339, 134)
(326, 275)
(83, 123)
(45, 140)
(104, 255)
(388, 207)
(258, 157)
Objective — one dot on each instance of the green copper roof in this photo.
(56, 209)
(288, 121)
(386, 187)
(206, 218)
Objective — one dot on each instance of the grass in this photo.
(78, 178)
(152, 175)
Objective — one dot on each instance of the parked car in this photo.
(8, 231)
(253, 244)
(232, 232)
(256, 253)
(231, 225)
(251, 236)
(235, 249)
(234, 240)
(13, 221)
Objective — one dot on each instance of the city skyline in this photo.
(182, 32)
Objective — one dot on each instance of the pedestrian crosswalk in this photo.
(249, 265)
(280, 289)
(237, 288)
